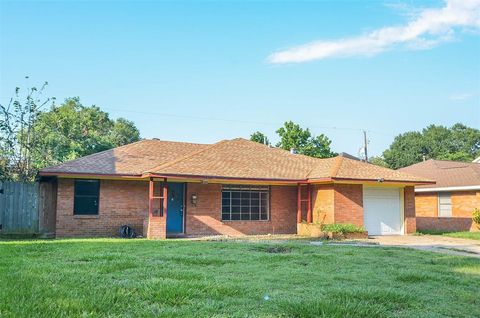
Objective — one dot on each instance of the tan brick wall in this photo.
(426, 204)
(323, 203)
(121, 202)
(463, 203)
(156, 227)
(409, 210)
(348, 203)
(205, 217)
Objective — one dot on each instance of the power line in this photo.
(232, 120)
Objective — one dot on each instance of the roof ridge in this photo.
(177, 142)
(319, 161)
(167, 164)
(97, 153)
(336, 166)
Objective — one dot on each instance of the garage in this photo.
(382, 210)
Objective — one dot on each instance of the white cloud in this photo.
(461, 96)
(427, 29)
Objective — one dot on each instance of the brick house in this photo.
(447, 205)
(232, 187)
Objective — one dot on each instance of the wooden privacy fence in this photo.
(27, 208)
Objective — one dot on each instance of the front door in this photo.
(175, 208)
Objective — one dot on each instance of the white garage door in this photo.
(381, 208)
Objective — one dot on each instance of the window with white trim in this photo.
(444, 204)
(245, 203)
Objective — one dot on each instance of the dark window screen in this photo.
(86, 197)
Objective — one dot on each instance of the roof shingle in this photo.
(446, 173)
(235, 159)
(131, 159)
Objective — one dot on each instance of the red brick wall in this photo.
(409, 210)
(322, 203)
(348, 204)
(445, 224)
(205, 217)
(121, 202)
(156, 228)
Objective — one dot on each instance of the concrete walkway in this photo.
(434, 243)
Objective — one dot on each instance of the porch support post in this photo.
(165, 197)
(299, 203)
(150, 197)
(309, 203)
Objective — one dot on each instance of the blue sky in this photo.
(205, 71)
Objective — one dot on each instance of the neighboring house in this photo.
(232, 187)
(447, 205)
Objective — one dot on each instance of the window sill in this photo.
(86, 216)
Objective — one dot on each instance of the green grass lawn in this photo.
(139, 278)
(465, 235)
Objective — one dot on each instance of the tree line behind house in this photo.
(37, 132)
(459, 143)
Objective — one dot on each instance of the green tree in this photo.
(260, 138)
(18, 140)
(124, 132)
(292, 136)
(378, 160)
(459, 142)
(72, 130)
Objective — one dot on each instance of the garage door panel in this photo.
(382, 214)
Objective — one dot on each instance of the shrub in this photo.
(476, 217)
(343, 228)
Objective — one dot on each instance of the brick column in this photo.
(156, 228)
(409, 204)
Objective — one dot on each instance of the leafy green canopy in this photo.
(260, 138)
(72, 130)
(292, 136)
(31, 138)
(458, 142)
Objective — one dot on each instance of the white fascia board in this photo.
(460, 188)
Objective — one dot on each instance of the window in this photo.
(86, 197)
(245, 203)
(444, 204)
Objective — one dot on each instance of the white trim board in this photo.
(460, 188)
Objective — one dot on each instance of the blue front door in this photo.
(175, 208)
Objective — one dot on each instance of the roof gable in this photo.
(241, 158)
(446, 173)
(342, 167)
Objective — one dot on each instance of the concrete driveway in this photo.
(434, 243)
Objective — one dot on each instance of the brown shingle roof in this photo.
(131, 159)
(346, 168)
(234, 159)
(240, 158)
(446, 173)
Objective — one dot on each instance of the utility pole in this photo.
(365, 141)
